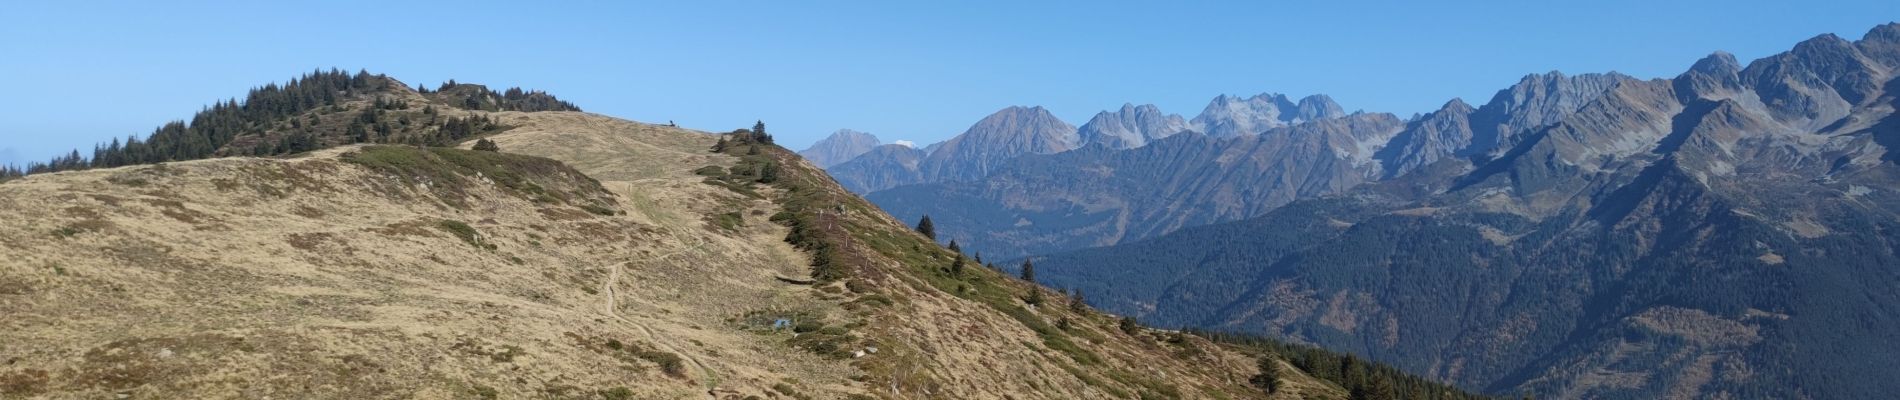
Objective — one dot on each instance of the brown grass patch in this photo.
(28, 382)
(176, 210)
(407, 228)
(308, 212)
(309, 241)
(565, 214)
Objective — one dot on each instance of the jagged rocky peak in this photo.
(1882, 44)
(1130, 127)
(1229, 116)
(1456, 105)
(1429, 138)
(1717, 76)
(1535, 101)
(841, 146)
(1817, 82)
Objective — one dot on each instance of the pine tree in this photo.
(956, 266)
(1269, 378)
(1029, 271)
(720, 147)
(1129, 325)
(758, 133)
(954, 248)
(753, 151)
(358, 132)
(486, 145)
(768, 173)
(1035, 296)
(1077, 303)
(1381, 389)
(924, 226)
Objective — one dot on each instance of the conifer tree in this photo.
(758, 133)
(486, 145)
(954, 248)
(1077, 303)
(768, 173)
(1269, 378)
(924, 226)
(1129, 325)
(956, 266)
(1029, 271)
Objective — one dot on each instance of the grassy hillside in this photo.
(587, 259)
(590, 258)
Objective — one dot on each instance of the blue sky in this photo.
(81, 72)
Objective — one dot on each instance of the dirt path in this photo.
(613, 310)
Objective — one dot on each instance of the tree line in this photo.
(218, 125)
(295, 117)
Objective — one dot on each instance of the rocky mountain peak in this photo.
(1882, 44)
(1458, 105)
(1130, 127)
(1002, 135)
(1536, 100)
(841, 146)
(1817, 82)
(1717, 76)
(1717, 63)
(1317, 107)
(1229, 116)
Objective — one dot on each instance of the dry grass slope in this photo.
(397, 272)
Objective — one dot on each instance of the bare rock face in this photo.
(1098, 196)
(1130, 127)
(1882, 44)
(1432, 137)
(841, 146)
(1817, 83)
(1536, 100)
(1229, 116)
(1008, 133)
(1317, 107)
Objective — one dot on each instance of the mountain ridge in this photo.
(1668, 238)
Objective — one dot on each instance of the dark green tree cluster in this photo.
(455, 130)
(1361, 378)
(10, 172)
(758, 132)
(486, 145)
(478, 97)
(215, 126)
(757, 135)
(927, 228)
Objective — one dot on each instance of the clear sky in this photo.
(79, 72)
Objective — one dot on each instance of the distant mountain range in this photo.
(841, 146)
(1727, 233)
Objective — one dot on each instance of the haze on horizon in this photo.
(87, 73)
